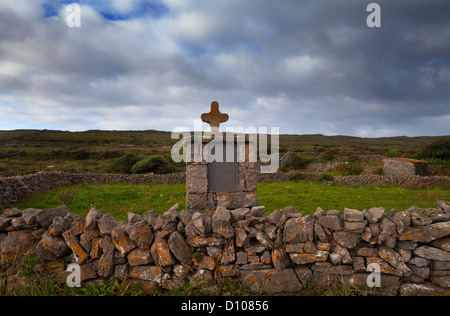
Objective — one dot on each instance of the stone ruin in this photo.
(404, 166)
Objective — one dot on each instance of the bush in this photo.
(438, 150)
(125, 163)
(326, 177)
(80, 154)
(157, 164)
(329, 155)
(350, 168)
(353, 169)
(297, 162)
(392, 153)
(297, 177)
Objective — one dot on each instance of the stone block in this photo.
(196, 179)
(432, 253)
(232, 200)
(270, 281)
(300, 229)
(426, 234)
(147, 273)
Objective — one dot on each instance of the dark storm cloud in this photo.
(305, 66)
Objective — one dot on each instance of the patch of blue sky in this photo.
(143, 8)
(52, 7)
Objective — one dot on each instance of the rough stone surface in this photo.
(394, 259)
(346, 239)
(332, 222)
(426, 234)
(106, 224)
(161, 254)
(263, 252)
(147, 273)
(45, 218)
(271, 281)
(180, 249)
(221, 222)
(138, 257)
(374, 214)
(432, 253)
(121, 240)
(300, 229)
(141, 234)
(197, 178)
(352, 215)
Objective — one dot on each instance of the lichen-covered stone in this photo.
(221, 222)
(121, 240)
(269, 281)
(332, 222)
(45, 217)
(92, 217)
(299, 229)
(161, 254)
(73, 243)
(180, 248)
(141, 233)
(432, 253)
(426, 234)
(16, 244)
(106, 224)
(305, 258)
(147, 273)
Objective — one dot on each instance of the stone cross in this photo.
(226, 182)
(214, 117)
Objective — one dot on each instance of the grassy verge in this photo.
(306, 197)
(118, 199)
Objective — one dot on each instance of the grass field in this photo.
(118, 199)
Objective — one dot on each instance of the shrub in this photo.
(392, 153)
(329, 155)
(157, 164)
(297, 177)
(297, 162)
(80, 154)
(326, 177)
(438, 150)
(349, 168)
(353, 169)
(125, 163)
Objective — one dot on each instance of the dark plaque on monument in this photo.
(224, 176)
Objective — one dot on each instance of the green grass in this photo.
(118, 199)
(306, 197)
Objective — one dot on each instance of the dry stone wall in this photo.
(282, 252)
(14, 189)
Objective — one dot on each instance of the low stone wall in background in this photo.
(282, 252)
(14, 189)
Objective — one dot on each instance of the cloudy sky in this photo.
(305, 66)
